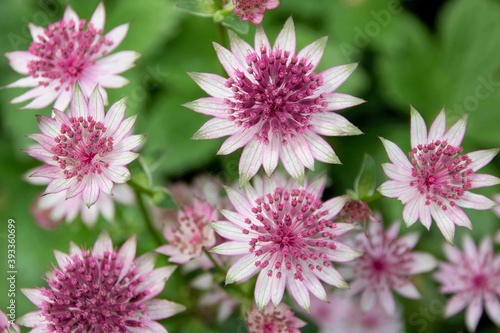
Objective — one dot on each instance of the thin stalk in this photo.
(146, 217)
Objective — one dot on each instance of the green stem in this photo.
(216, 264)
(222, 33)
(146, 217)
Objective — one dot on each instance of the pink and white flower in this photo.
(51, 209)
(190, 234)
(273, 319)
(102, 290)
(437, 181)
(387, 264)
(274, 104)
(496, 209)
(285, 233)
(344, 314)
(253, 10)
(473, 276)
(66, 54)
(6, 326)
(86, 152)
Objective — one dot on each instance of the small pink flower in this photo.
(387, 264)
(273, 319)
(473, 276)
(274, 104)
(253, 10)
(67, 53)
(6, 326)
(51, 209)
(85, 152)
(190, 234)
(437, 181)
(356, 211)
(285, 232)
(102, 290)
(344, 315)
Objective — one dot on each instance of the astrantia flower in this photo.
(473, 276)
(344, 314)
(286, 233)
(274, 104)
(85, 152)
(387, 263)
(253, 10)
(6, 326)
(102, 290)
(437, 181)
(356, 211)
(187, 238)
(273, 319)
(51, 209)
(67, 53)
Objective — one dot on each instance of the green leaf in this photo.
(364, 185)
(163, 199)
(232, 22)
(204, 8)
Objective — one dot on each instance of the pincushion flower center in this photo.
(378, 265)
(88, 293)
(80, 146)
(64, 50)
(277, 93)
(440, 172)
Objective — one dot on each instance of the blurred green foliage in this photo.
(403, 61)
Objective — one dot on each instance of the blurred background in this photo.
(427, 54)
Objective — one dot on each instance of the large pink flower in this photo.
(273, 319)
(387, 264)
(67, 53)
(437, 181)
(253, 10)
(274, 104)
(102, 290)
(285, 232)
(85, 152)
(473, 276)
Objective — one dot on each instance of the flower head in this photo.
(387, 263)
(191, 233)
(66, 53)
(344, 314)
(102, 290)
(273, 319)
(285, 232)
(473, 276)
(274, 104)
(85, 152)
(437, 181)
(356, 211)
(6, 325)
(253, 10)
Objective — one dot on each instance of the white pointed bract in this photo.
(67, 53)
(6, 325)
(102, 290)
(86, 152)
(274, 104)
(285, 233)
(437, 181)
(473, 276)
(386, 265)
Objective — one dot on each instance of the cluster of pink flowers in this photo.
(275, 228)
